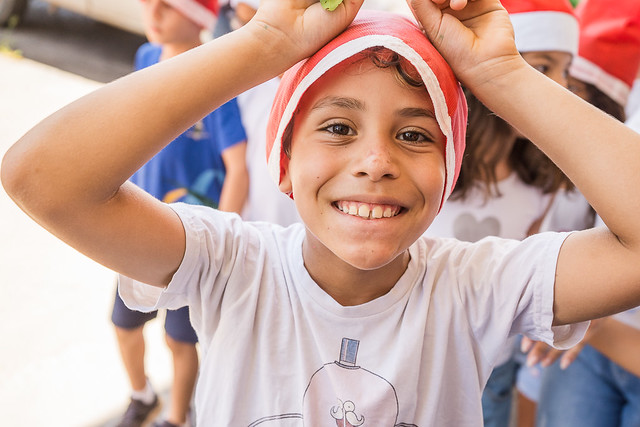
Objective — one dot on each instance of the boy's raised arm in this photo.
(597, 272)
(68, 173)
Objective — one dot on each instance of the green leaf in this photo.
(330, 4)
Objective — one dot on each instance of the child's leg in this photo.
(497, 395)
(584, 394)
(129, 333)
(629, 385)
(132, 348)
(181, 339)
(528, 383)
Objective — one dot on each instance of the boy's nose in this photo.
(376, 160)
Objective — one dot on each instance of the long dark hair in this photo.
(484, 151)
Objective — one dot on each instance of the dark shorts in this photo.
(176, 324)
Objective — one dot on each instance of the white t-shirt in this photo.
(264, 202)
(475, 217)
(278, 350)
(633, 102)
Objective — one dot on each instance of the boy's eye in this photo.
(412, 136)
(339, 129)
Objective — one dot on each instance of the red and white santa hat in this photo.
(376, 29)
(202, 12)
(543, 25)
(609, 52)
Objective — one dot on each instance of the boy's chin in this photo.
(371, 261)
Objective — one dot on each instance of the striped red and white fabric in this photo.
(609, 51)
(373, 29)
(543, 25)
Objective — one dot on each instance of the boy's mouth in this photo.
(368, 210)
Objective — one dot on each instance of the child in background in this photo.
(354, 315)
(204, 165)
(602, 386)
(507, 186)
(264, 201)
(633, 103)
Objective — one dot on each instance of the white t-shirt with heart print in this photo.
(510, 216)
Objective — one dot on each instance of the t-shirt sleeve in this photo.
(214, 241)
(227, 125)
(507, 288)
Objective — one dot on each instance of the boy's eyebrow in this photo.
(339, 101)
(416, 112)
(355, 104)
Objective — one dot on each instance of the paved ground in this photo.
(59, 364)
(73, 43)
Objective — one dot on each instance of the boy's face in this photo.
(367, 166)
(166, 25)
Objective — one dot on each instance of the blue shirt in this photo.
(190, 169)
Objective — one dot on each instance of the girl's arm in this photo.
(235, 187)
(598, 270)
(69, 172)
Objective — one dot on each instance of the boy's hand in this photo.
(301, 27)
(474, 36)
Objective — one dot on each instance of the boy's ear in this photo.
(285, 182)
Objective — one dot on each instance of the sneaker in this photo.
(138, 413)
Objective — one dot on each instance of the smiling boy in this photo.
(349, 317)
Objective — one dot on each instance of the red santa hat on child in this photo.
(396, 33)
(202, 12)
(609, 52)
(543, 25)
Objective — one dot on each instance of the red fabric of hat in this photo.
(543, 25)
(609, 52)
(212, 5)
(373, 29)
(202, 12)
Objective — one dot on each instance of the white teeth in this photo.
(364, 210)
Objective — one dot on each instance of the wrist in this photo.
(275, 48)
